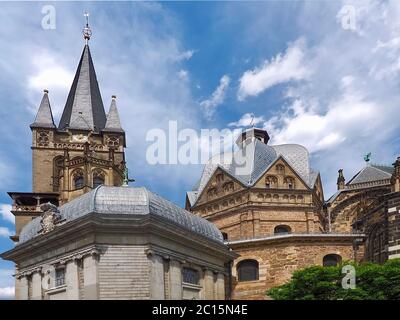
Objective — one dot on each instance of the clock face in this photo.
(79, 138)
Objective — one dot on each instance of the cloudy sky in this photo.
(322, 74)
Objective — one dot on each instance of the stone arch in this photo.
(248, 270)
(98, 177)
(331, 260)
(77, 179)
(282, 229)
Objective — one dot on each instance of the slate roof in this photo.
(371, 173)
(127, 201)
(258, 158)
(84, 107)
(113, 122)
(44, 116)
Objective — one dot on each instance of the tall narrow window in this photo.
(60, 277)
(79, 181)
(247, 270)
(98, 178)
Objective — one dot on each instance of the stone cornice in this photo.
(62, 260)
(90, 226)
(303, 237)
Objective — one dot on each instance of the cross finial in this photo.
(87, 32)
(252, 120)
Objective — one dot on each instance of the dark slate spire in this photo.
(44, 116)
(113, 123)
(84, 108)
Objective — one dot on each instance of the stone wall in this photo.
(278, 261)
(124, 273)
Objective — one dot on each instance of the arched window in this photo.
(282, 229)
(247, 270)
(271, 182)
(98, 178)
(79, 181)
(331, 260)
(289, 182)
(97, 181)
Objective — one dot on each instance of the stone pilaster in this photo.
(37, 286)
(208, 284)
(71, 280)
(22, 291)
(175, 273)
(156, 276)
(220, 286)
(90, 277)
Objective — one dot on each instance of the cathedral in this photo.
(83, 233)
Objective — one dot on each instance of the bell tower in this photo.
(84, 151)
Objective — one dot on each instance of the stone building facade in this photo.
(269, 204)
(82, 233)
(85, 150)
(119, 243)
(368, 204)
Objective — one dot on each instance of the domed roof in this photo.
(252, 160)
(130, 201)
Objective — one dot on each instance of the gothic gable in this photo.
(219, 185)
(281, 175)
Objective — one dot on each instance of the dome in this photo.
(130, 201)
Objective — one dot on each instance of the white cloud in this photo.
(7, 292)
(347, 101)
(5, 212)
(281, 69)
(6, 284)
(246, 120)
(5, 232)
(217, 97)
(183, 75)
(186, 55)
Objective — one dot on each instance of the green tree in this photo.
(373, 282)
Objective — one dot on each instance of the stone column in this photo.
(90, 277)
(37, 286)
(175, 272)
(156, 277)
(22, 292)
(208, 284)
(71, 280)
(220, 284)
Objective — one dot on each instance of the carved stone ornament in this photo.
(50, 217)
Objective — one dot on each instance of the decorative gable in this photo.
(281, 175)
(219, 185)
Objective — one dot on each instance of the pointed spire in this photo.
(113, 123)
(84, 108)
(44, 116)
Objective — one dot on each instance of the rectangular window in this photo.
(190, 275)
(60, 277)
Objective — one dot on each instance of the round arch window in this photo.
(331, 260)
(282, 229)
(247, 270)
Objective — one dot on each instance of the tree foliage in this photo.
(373, 282)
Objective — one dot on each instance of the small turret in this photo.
(252, 134)
(395, 179)
(341, 180)
(44, 116)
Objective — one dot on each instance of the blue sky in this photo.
(305, 76)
